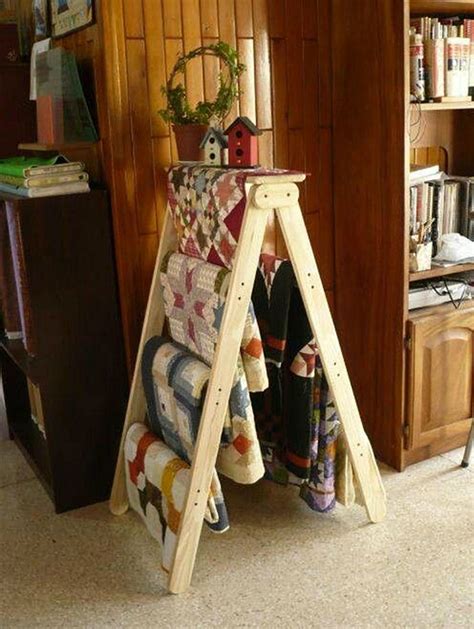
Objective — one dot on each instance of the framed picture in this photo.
(7, 11)
(70, 15)
(41, 17)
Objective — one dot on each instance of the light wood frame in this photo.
(264, 194)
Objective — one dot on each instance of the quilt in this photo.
(157, 480)
(296, 420)
(207, 206)
(175, 384)
(194, 296)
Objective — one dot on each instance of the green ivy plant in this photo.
(178, 111)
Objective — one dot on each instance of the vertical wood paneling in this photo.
(294, 62)
(192, 40)
(209, 19)
(286, 90)
(155, 63)
(172, 18)
(262, 64)
(247, 79)
(133, 18)
(141, 137)
(243, 18)
(280, 102)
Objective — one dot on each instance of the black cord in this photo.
(462, 298)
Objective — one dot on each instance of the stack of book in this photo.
(441, 59)
(439, 205)
(42, 177)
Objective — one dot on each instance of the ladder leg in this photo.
(136, 409)
(217, 398)
(314, 297)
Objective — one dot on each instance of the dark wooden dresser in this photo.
(75, 384)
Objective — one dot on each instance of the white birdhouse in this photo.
(213, 145)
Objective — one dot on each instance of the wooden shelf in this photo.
(440, 271)
(442, 106)
(17, 352)
(441, 7)
(36, 146)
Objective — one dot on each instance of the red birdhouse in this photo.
(242, 140)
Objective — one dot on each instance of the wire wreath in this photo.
(178, 110)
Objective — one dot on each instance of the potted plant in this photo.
(190, 125)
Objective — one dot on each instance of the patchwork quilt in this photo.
(194, 295)
(157, 480)
(207, 206)
(175, 384)
(296, 420)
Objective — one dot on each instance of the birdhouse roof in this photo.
(218, 134)
(254, 130)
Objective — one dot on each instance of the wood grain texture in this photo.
(440, 373)
(369, 163)
(280, 44)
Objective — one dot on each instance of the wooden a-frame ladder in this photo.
(265, 194)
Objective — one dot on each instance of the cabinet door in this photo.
(440, 375)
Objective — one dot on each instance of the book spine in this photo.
(49, 120)
(21, 281)
(417, 69)
(470, 35)
(434, 65)
(8, 295)
(58, 169)
(435, 231)
(457, 66)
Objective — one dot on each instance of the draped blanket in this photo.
(296, 419)
(194, 295)
(157, 481)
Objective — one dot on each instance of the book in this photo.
(49, 120)
(34, 166)
(42, 181)
(47, 191)
(21, 279)
(418, 172)
(417, 68)
(470, 34)
(434, 68)
(437, 213)
(457, 54)
(8, 295)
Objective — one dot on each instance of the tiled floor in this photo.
(279, 566)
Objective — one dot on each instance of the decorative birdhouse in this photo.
(242, 141)
(213, 145)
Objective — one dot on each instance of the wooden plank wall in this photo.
(285, 45)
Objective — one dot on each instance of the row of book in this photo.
(42, 176)
(440, 205)
(441, 59)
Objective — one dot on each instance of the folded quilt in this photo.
(194, 295)
(157, 481)
(207, 206)
(296, 420)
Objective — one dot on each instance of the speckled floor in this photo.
(280, 565)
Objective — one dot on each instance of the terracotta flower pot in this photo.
(188, 139)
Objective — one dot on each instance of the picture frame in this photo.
(41, 19)
(7, 11)
(68, 16)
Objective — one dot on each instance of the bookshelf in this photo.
(442, 106)
(435, 272)
(78, 368)
(398, 360)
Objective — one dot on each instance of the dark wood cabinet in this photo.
(78, 370)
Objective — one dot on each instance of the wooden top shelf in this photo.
(442, 106)
(440, 271)
(441, 7)
(36, 146)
